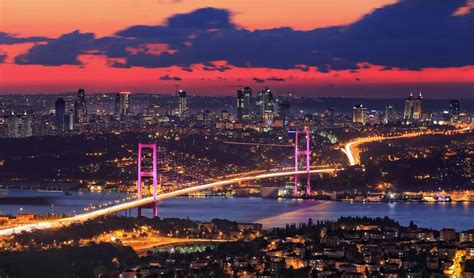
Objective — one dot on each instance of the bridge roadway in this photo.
(352, 152)
(148, 200)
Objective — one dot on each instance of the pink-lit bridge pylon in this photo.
(148, 174)
(307, 153)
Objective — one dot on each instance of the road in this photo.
(352, 151)
(147, 200)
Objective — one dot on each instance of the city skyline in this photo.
(327, 52)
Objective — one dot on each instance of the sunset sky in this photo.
(371, 48)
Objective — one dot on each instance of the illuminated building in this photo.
(283, 108)
(329, 115)
(182, 103)
(454, 108)
(389, 114)
(80, 107)
(122, 105)
(19, 126)
(358, 114)
(244, 104)
(265, 106)
(409, 108)
(60, 109)
(418, 108)
(69, 121)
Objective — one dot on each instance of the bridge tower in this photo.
(299, 153)
(143, 174)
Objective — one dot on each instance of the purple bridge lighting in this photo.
(299, 153)
(147, 174)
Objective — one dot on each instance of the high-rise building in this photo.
(80, 107)
(358, 114)
(409, 108)
(265, 106)
(282, 107)
(122, 105)
(69, 121)
(19, 126)
(244, 104)
(182, 104)
(418, 108)
(454, 109)
(60, 109)
(329, 115)
(389, 114)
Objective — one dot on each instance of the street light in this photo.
(52, 209)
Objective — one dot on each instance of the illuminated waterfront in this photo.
(269, 212)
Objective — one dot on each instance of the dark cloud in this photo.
(410, 34)
(6, 38)
(187, 69)
(275, 79)
(386, 68)
(2, 58)
(258, 80)
(170, 78)
(212, 67)
(62, 51)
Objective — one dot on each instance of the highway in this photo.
(147, 200)
(352, 152)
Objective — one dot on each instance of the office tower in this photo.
(69, 121)
(122, 105)
(80, 107)
(264, 105)
(19, 126)
(12, 126)
(60, 109)
(182, 104)
(282, 108)
(409, 108)
(244, 104)
(25, 125)
(454, 109)
(418, 108)
(358, 114)
(389, 114)
(329, 115)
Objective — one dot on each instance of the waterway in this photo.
(269, 212)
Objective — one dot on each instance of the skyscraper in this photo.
(265, 106)
(182, 104)
(60, 109)
(282, 107)
(358, 114)
(19, 126)
(418, 108)
(454, 109)
(122, 105)
(80, 107)
(244, 104)
(389, 114)
(409, 108)
(329, 115)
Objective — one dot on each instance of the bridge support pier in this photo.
(306, 153)
(143, 174)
